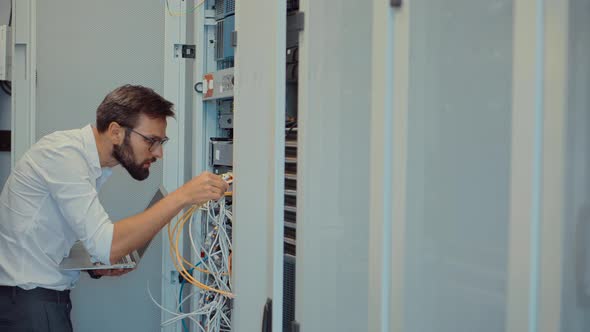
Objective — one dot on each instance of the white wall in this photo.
(85, 49)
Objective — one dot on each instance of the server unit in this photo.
(224, 8)
(218, 85)
(224, 51)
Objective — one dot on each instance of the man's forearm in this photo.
(134, 232)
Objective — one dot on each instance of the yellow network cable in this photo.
(178, 14)
(178, 231)
(179, 261)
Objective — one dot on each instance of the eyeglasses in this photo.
(153, 142)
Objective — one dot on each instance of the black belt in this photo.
(42, 294)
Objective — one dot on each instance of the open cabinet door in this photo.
(251, 99)
(468, 126)
(575, 297)
(333, 166)
(441, 153)
(259, 156)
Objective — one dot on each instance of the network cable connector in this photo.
(228, 177)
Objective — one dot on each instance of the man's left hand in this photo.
(108, 272)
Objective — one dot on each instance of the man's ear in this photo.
(116, 133)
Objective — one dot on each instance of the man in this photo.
(50, 201)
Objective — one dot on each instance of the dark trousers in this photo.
(35, 310)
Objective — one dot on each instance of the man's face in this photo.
(134, 152)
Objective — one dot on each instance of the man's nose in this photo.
(158, 151)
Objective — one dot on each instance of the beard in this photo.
(124, 155)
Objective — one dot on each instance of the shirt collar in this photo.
(90, 144)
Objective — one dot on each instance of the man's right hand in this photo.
(204, 187)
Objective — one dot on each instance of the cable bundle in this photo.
(213, 312)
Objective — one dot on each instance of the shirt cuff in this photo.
(103, 238)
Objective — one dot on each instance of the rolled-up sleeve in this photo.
(72, 186)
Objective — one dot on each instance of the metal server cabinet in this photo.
(257, 131)
(248, 117)
(331, 153)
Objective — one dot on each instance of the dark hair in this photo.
(124, 105)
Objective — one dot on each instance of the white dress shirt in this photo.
(49, 202)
